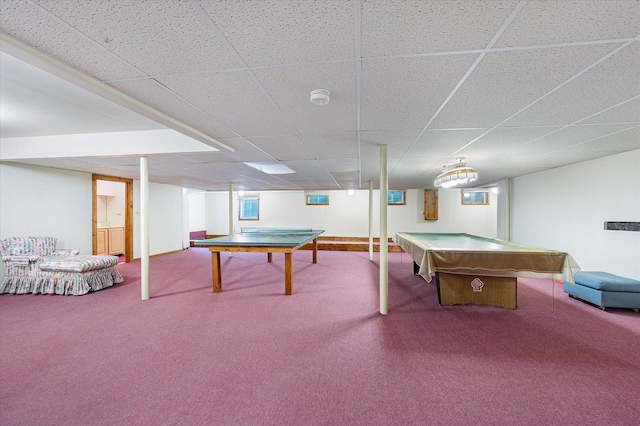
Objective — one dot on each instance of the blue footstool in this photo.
(605, 290)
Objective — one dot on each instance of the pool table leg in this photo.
(288, 274)
(215, 272)
(269, 257)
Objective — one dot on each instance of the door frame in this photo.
(128, 213)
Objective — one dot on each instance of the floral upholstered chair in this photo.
(34, 265)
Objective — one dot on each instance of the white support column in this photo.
(230, 208)
(144, 227)
(370, 220)
(508, 194)
(384, 243)
(230, 212)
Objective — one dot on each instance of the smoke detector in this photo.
(320, 97)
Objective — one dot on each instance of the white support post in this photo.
(384, 242)
(144, 227)
(508, 197)
(370, 220)
(230, 212)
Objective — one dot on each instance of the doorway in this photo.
(122, 229)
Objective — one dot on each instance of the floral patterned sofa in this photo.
(34, 265)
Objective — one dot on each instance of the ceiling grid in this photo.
(517, 87)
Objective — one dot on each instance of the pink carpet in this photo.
(323, 356)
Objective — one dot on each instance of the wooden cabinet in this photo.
(116, 241)
(430, 204)
(110, 241)
(101, 240)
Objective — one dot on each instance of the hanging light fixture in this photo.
(456, 174)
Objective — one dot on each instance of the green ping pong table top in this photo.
(266, 237)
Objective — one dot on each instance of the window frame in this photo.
(403, 202)
(486, 202)
(240, 208)
(319, 203)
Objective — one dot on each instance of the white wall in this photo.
(565, 209)
(197, 211)
(165, 218)
(41, 201)
(186, 216)
(503, 209)
(562, 209)
(349, 215)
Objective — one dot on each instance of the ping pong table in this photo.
(470, 269)
(262, 240)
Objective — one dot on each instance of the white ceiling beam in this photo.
(143, 142)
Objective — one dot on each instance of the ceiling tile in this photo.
(442, 143)
(397, 142)
(290, 88)
(333, 145)
(406, 27)
(403, 94)
(627, 112)
(409, 168)
(175, 39)
(196, 157)
(626, 140)
(550, 22)
(303, 184)
(309, 169)
(345, 176)
(503, 140)
(370, 168)
(570, 136)
(505, 82)
(283, 148)
(244, 151)
(341, 165)
(306, 31)
(605, 85)
(32, 25)
(165, 101)
(233, 99)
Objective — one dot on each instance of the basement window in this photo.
(396, 197)
(249, 209)
(317, 200)
(474, 198)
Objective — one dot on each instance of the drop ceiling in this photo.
(514, 87)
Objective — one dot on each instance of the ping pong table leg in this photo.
(215, 272)
(288, 274)
(315, 250)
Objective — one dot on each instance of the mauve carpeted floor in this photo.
(323, 356)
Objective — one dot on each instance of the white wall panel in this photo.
(165, 218)
(565, 209)
(43, 202)
(348, 215)
(197, 212)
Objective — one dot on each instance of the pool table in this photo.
(471, 269)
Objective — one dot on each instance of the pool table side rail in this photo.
(534, 262)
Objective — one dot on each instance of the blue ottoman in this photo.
(605, 290)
